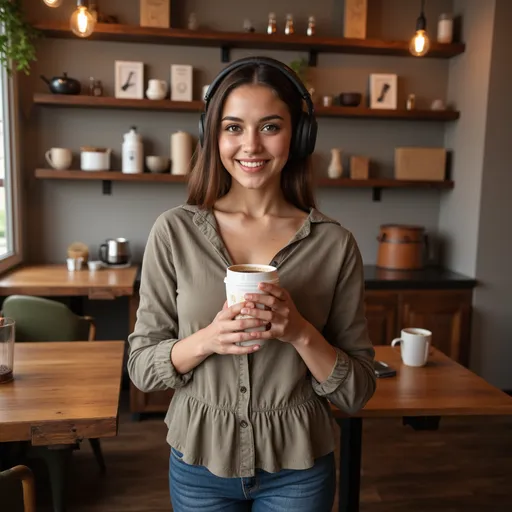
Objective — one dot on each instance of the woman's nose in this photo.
(251, 141)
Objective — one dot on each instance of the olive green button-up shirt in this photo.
(234, 414)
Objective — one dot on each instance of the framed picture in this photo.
(383, 91)
(155, 13)
(129, 79)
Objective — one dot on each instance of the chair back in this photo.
(23, 474)
(39, 319)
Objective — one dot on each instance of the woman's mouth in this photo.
(252, 165)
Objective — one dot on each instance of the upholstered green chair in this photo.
(39, 319)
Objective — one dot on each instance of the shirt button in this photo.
(243, 424)
(243, 389)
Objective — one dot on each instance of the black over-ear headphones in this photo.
(304, 139)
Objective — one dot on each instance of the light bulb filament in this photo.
(82, 22)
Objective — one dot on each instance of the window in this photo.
(10, 211)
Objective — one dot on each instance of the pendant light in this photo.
(420, 43)
(82, 21)
(52, 3)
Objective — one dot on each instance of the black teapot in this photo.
(63, 84)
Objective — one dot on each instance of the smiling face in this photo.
(254, 136)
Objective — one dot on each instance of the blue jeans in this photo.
(306, 490)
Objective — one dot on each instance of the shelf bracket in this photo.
(107, 187)
(224, 53)
(313, 54)
(376, 194)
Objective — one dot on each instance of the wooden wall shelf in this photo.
(105, 102)
(228, 40)
(108, 176)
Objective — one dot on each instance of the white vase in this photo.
(335, 169)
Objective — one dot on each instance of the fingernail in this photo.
(256, 347)
(263, 286)
(249, 305)
(245, 311)
(248, 296)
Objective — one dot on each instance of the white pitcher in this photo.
(157, 89)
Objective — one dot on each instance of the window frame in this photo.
(12, 178)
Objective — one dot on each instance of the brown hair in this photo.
(209, 180)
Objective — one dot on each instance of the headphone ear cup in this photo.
(201, 128)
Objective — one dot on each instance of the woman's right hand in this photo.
(224, 332)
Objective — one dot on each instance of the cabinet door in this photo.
(446, 313)
(381, 311)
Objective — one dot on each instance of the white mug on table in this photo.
(414, 346)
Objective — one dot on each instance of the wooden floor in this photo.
(466, 466)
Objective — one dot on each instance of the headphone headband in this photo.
(290, 74)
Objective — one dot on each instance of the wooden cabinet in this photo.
(381, 313)
(447, 313)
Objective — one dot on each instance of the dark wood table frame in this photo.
(441, 388)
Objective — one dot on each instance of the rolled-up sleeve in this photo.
(156, 329)
(352, 381)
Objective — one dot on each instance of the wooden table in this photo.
(56, 280)
(420, 396)
(61, 394)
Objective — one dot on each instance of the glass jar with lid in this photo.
(445, 28)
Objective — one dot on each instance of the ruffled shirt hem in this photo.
(288, 438)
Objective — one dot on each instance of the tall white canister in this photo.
(133, 152)
(181, 152)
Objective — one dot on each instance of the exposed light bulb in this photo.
(52, 3)
(420, 44)
(82, 21)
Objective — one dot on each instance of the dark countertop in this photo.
(432, 278)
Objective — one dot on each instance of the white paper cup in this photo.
(242, 279)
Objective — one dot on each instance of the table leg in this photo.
(350, 464)
(57, 459)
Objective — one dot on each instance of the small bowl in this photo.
(157, 163)
(350, 99)
(95, 265)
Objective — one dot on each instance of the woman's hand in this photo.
(286, 323)
(224, 332)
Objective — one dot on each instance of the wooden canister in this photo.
(401, 247)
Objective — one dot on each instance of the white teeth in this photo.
(252, 164)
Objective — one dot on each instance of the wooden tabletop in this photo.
(56, 280)
(441, 388)
(62, 392)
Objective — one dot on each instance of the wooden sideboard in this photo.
(438, 300)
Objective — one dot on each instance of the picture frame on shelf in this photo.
(155, 13)
(129, 79)
(383, 91)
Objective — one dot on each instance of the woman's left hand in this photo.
(286, 323)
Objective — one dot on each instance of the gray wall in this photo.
(62, 212)
(468, 86)
(492, 353)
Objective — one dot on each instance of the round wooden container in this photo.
(401, 247)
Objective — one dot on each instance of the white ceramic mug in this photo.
(414, 346)
(59, 158)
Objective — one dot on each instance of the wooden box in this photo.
(155, 13)
(416, 163)
(359, 168)
(354, 22)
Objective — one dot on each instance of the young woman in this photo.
(250, 426)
